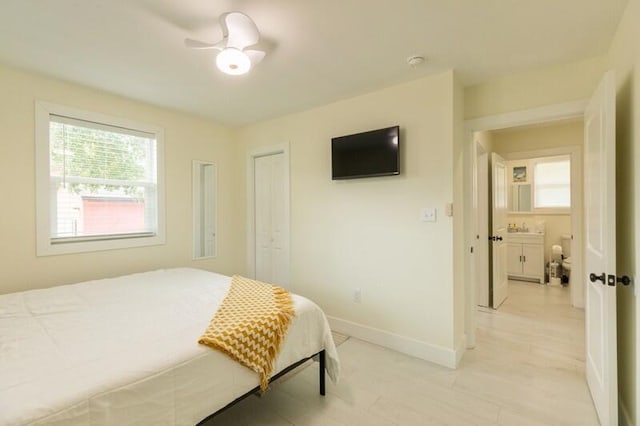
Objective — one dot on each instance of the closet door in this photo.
(263, 207)
(279, 234)
(271, 239)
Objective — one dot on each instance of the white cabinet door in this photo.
(514, 259)
(532, 259)
(526, 256)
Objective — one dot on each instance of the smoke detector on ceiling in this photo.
(415, 60)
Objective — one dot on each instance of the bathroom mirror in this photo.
(204, 209)
(520, 199)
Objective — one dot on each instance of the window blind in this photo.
(103, 181)
(552, 183)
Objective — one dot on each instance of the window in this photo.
(552, 182)
(99, 182)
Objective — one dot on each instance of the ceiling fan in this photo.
(238, 33)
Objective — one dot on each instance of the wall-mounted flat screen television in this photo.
(367, 154)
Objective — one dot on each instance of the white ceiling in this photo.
(323, 50)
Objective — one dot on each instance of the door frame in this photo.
(544, 114)
(251, 218)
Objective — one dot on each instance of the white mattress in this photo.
(124, 351)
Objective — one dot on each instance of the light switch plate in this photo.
(428, 214)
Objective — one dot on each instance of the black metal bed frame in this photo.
(321, 358)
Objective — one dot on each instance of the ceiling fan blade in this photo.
(264, 45)
(239, 30)
(255, 56)
(195, 44)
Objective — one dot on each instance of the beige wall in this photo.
(186, 138)
(485, 139)
(533, 138)
(366, 233)
(624, 58)
(535, 88)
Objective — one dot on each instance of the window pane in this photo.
(103, 181)
(552, 184)
(557, 172)
(550, 196)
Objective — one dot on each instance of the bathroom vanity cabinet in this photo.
(525, 256)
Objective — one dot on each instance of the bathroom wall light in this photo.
(233, 61)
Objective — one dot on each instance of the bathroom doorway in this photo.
(544, 189)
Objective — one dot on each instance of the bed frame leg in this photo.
(322, 369)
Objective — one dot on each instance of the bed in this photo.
(124, 351)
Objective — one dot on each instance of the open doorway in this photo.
(539, 326)
(535, 193)
(599, 234)
(546, 114)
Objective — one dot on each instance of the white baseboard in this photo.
(429, 352)
(624, 418)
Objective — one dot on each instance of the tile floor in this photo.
(527, 369)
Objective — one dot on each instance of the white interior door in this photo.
(482, 227)
(600, 250)
(271, 219)
(499, 280)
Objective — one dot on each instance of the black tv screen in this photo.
(367, 154)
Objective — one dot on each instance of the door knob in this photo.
(612, 280)
(624, 280)
(494, 238)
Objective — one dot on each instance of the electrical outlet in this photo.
(357, 296)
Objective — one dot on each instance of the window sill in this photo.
(47, 248)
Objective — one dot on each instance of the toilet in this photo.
(566, 254)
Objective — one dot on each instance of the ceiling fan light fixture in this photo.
(233, 61)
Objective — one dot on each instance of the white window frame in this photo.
(550, 159)
(201, 210)
(44, 246)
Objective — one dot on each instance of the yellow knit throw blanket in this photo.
(251, 324)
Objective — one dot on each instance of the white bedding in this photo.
(124, 351)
